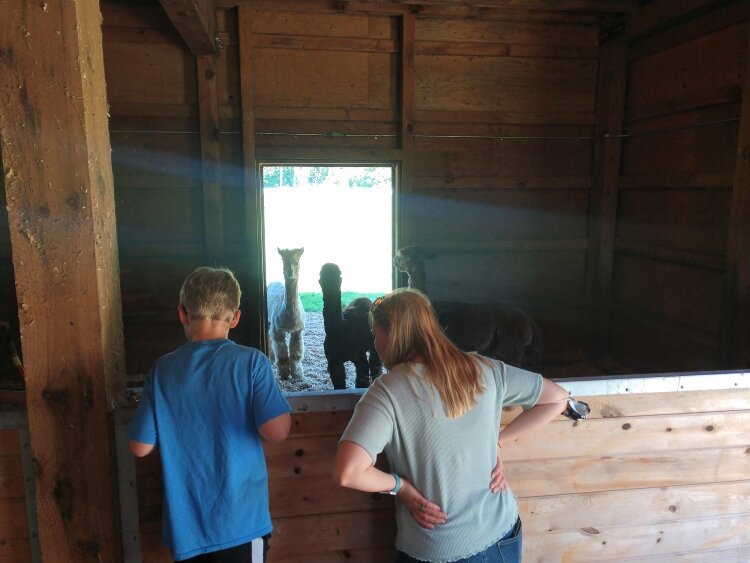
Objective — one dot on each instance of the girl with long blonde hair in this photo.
(436, 415)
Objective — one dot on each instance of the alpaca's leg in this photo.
(281, 352)
(362, 369)
(271, 349)
(296, 352)
(338, 375)
(376, 364)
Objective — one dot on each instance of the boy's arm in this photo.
(277, 429)
(140, 449)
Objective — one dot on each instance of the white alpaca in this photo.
(286, 316)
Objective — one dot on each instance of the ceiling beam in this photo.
(195, 21)
(430, 6)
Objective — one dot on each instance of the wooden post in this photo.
(211, 156)
(736, 320)
(610, 106)
(58, 181)
(255, 291)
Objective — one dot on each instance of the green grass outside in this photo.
(313, 302)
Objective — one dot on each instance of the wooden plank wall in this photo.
(660, 477)
(14, 528)
(492, 128)
(165, 223)
(672, 279)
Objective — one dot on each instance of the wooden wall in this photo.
(14, 528)
(502, 128)
(660, 477)
(674, 276)
(491, 121)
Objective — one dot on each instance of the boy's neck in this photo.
(206, 329)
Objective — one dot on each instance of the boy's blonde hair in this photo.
(210, 293)
(408, 317)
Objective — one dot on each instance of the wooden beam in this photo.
(402, 234)
(610, 107)
(60, 199)
(208, 103)
(255, 282)
(421, 6)
(736, 317)
(195, 21)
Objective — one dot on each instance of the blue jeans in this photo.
(507, 550)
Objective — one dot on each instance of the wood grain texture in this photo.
(60, 196)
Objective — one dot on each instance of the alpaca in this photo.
(493, 329)
(286, 316)
(348, 335)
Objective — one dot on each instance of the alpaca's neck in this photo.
(290, 293)
(417, 279)
(331, 308)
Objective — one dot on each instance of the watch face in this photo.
(577, 410)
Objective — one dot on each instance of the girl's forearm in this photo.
(353, 468)
(369, 480)
(529, 420)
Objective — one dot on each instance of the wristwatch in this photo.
(577, 410)
(397, 487)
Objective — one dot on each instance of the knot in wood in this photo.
(59, 396)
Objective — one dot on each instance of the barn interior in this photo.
(587, 161)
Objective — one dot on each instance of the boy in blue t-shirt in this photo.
(207, 405)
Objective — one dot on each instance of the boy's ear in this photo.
(235, 319)
(182, 313)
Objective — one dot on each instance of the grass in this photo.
(313, 302)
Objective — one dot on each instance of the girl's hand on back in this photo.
(425, 513)
(497, 477)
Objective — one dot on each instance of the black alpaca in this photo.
(348, 335)
(493, 329)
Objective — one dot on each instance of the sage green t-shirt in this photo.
(448, 460)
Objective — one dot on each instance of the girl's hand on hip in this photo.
(497, 477)
(425, 513)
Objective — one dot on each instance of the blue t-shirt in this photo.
(202, 405)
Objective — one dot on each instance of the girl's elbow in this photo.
(338, 477)
(342, 475)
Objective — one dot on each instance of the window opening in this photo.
(338, 214)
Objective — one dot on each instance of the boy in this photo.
(206, 405)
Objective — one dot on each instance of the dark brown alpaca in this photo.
(493, 329)
(348, 335)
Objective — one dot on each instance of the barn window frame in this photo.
(323, 398)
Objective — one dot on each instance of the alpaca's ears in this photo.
(293, 251)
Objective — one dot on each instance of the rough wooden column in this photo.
(58, 181)
(736, 325)
(610, 105)
(253, 288)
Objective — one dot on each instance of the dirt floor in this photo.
(315, 377)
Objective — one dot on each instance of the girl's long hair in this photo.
(412, 328)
